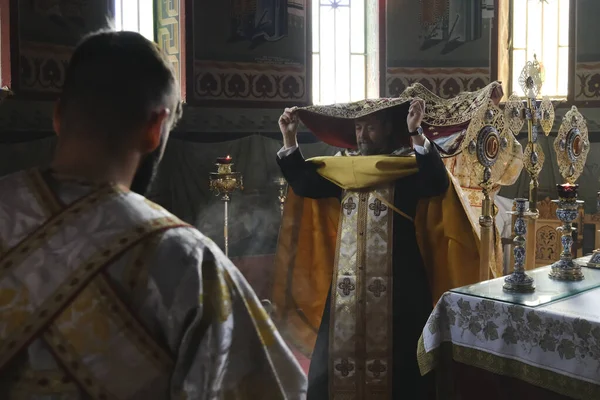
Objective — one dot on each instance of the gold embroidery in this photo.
(439, 112)
(36, 239)
(360, 345)
(135, 274)
(216, 286)
(378, 298)
(26, 383)
(56, 302)
(343, 307)
(65, 352)
(90, 326)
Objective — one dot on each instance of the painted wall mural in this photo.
(445, 82)
(587, 81)
(442, 44)
(251, 51)
(47, 34)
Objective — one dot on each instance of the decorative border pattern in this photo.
(254, 82)
(42, 67)
(587, 81)
(168, 33)
(444, 82)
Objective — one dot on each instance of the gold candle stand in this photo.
(224, 182)
(282, 187)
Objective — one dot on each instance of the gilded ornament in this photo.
(513, 113)
(546, 115)
(572, 145)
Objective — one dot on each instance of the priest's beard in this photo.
(146, 172)
(366, 147)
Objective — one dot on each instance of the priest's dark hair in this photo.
(113, 83)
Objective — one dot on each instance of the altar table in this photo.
(482, 345)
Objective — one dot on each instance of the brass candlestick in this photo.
(282, 187)
(595, 260)
(224, 182)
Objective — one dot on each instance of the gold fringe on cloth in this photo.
(441, 359)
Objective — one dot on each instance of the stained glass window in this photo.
(339, 51)
(136, 16)
(541, 28)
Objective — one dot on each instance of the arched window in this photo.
(541, 28)
(341, 33)
(136, 16)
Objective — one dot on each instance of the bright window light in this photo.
(541, 28)
(339, 51)
(136, 16)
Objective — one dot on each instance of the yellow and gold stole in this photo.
(360, 348)
(352, 242)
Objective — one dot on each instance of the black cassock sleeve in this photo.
(432, 178)
(304, 179)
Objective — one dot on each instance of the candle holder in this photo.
(571, 146)
(224, 182)
(519, 281)
(595, 260)
(282, 187)
(568, 209)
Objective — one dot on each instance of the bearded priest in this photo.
(369, 240)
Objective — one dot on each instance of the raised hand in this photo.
(416, 112)
(288, 125)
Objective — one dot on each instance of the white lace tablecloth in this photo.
(562, 337)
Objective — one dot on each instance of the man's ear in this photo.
(154, 130)
(56, 122)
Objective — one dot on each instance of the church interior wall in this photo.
(237, 82)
